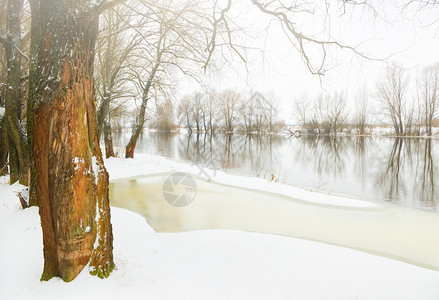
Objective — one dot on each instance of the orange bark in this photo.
(70, 176)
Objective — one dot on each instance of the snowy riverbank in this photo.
(213, 264)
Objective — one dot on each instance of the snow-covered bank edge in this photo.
(144, 164)
(214, 264)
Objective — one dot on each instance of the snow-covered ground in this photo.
(212, 264)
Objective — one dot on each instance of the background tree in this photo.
(114, 48)
(303, 111)
(323, 114)
(163, 117)
(273, 124)
(247, 115)
(228, 105)
(13, 44)
(391, 95)
(184, 112)
(197, 113)
(429, 96)
(172, 41)
(361, 112)
(210, 111)
(336, 107)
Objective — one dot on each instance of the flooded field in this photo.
(378, 169)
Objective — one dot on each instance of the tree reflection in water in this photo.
(409, 173)
(389, 180)
(325, 154)
(231, 151)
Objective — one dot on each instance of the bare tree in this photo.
(261, 113)
(13, 42)
(184, 112)
(145, 87)
(302, 111)
(172, 40)
(322, 115)
(209, 108)
(429, 96)
(273, 124)
(391, 93)
(412, 118)
(228, 105)
(336, 109)
(247, 115)
(361, 111)
(113, 54)
(308, 111)
(197, 114)
(163, 117)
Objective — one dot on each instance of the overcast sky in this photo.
(409, 37)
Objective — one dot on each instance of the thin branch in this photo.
(103, 6)
(7, 42)
(300, 38)
(211, 45)
(108, 5)
(21, 53)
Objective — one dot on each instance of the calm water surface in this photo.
(399, 171)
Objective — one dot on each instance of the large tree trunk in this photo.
(18, 161)
(70, 178)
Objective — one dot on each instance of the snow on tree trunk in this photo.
(70, 177)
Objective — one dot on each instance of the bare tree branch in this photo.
(301, 38)
(212, 44)
(103, 6)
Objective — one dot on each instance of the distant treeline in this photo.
(392, 103)
(226, 112)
